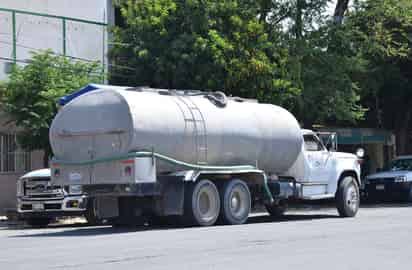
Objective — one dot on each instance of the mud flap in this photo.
(172, 190)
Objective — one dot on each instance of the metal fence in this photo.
(12, 158)
(22, 32)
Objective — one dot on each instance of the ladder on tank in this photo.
(194, 116)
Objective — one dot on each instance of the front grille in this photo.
(45, 196)
(41, 189)
(385, 180)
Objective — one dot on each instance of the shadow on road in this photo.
(84, 230)
(392, 204)
(77, 230)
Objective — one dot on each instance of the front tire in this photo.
(202, 203)
(348, 197)
(235, 202)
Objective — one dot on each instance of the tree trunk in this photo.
(340, 9)
(300, 5)
(402, 134)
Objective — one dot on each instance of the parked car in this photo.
(395, 182)
(39, 202)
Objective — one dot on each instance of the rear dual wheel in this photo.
(204, 204)
(236, 202)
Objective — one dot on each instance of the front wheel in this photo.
(348, 197)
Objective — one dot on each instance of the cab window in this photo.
(312, 143)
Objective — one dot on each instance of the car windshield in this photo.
(401, 164)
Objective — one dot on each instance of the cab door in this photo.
(319, 159)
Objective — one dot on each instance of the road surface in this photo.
(380, 237)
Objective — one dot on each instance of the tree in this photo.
(202, 44)
(340, 10)
(383, 31)
(322, 62)
(31, 93)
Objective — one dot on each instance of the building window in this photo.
(13, 158)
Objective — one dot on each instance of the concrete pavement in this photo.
(379, 238)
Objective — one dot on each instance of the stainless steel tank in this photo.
(189, 128)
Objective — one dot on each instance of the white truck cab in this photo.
(321, 167)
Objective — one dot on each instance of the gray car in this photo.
(395, 182)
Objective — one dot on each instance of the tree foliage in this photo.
(383, 33)
(276, 51)
(31, 93)
(201, 44)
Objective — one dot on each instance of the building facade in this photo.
(74, 28)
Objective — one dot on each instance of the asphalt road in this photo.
(380, 237)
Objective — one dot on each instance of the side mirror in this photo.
(360, 152)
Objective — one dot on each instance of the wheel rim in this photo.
(238, 202)
(352, 198)
(207, 203)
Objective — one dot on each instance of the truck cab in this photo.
(323, 165)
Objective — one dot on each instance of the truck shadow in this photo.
(83, 230)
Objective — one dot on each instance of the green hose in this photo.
(168, 160)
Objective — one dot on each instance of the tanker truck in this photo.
(198, 157)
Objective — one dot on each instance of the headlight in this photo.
(75, 189)
(400, 178)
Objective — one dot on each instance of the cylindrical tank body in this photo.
(193, 129)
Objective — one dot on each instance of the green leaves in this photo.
(209, 44)
(30, 95)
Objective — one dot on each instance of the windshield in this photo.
(401, 164)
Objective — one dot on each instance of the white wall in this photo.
(35, 33)
(93, 10)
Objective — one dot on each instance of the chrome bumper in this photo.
(66, 205)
